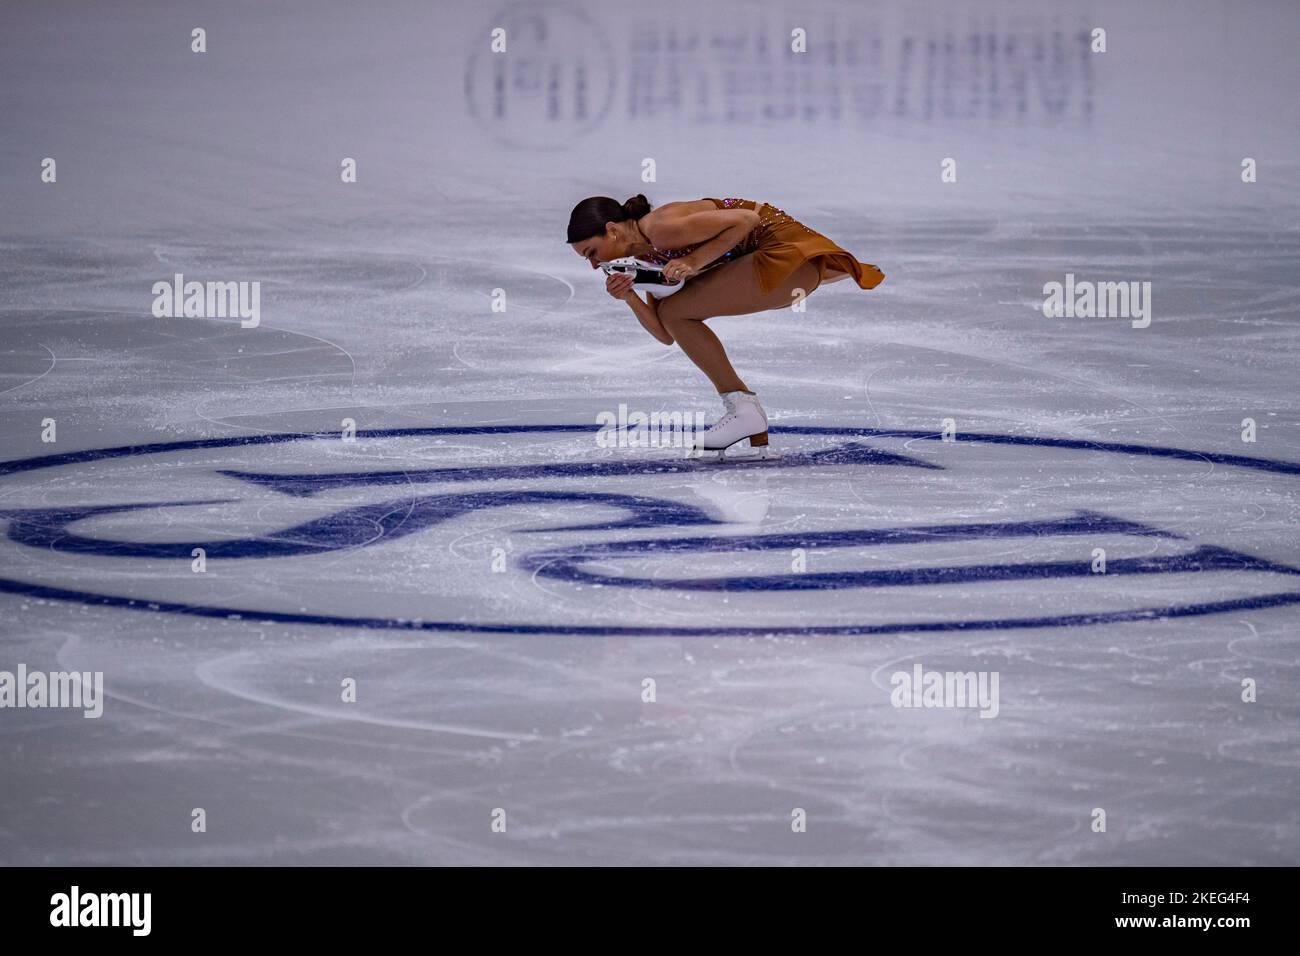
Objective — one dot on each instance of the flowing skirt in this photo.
(780, 244)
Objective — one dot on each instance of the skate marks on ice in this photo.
(1139, 716)
(710, 772)
(319, 311)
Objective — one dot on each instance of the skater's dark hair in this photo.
(589, 216)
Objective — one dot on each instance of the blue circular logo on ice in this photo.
(541, 529)
(539, 75)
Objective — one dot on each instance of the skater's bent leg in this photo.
(703, 347)
(727, 290)
(733, 290)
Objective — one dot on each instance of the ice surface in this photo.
(521, 688)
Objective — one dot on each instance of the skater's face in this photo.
(601, 248)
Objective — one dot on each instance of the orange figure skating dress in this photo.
(779, 245)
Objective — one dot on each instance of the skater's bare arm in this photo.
(647, 313)
(717, 232)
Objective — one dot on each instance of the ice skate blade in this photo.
(747, 458)
(727, 456)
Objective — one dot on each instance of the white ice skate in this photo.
(744, 418)
(646, 276)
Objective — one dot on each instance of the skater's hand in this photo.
(679, 269)
(619, 285)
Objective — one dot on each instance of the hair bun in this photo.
(636, 207)
(590, 216)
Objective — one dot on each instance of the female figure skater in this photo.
(740, 256)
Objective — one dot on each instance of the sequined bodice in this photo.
(769, 216)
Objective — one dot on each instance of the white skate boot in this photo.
(744, 418)
(646, 276)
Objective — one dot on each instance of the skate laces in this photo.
(728, 414)
(733, 410)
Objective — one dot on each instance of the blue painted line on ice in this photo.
(360, 526)
(39, 591)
